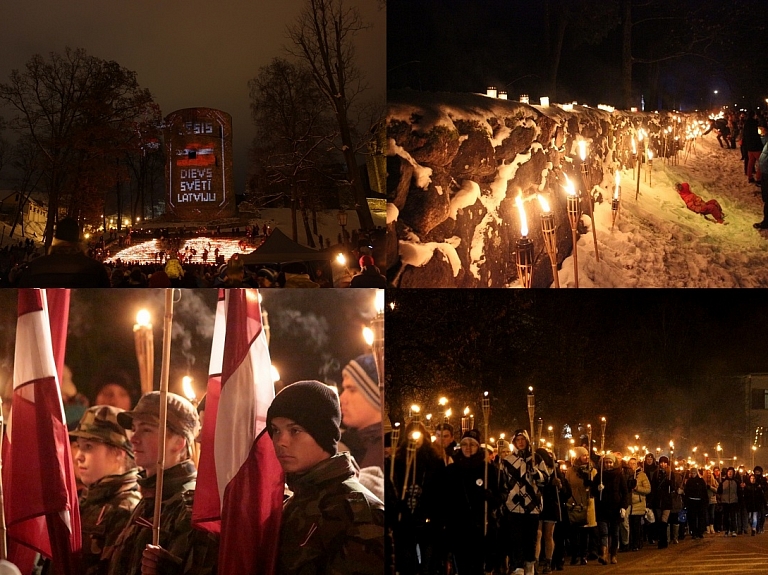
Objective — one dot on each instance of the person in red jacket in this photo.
(696, 204)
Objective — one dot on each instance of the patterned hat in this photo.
(182, 415)
(473, 435)
(99, 423)
(362, 370)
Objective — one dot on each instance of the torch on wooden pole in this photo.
(602, 453)
(3, 544)
(616, 202)
(393, 449)
(550, 239)
(531, 411)
(486, 413)
(523, 248)
(590, 205)
(145, 350)
(164, 375)
(574, 213)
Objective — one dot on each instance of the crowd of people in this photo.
(511, 508)
(749, 131)
(328, 444)
(68, 265)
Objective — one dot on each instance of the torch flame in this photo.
(650, 155)
(523, 220)
(544, 204)
(415, 408)
(530, 389)
(341, 260)
(568, 187)
(143, 318)
(634, 146)
(276, 374)
(466, 411)
(442, 401)
(448, 412)
(379, 301)
(583, 150)
(186, 385)
(416, 435)
(368, 335)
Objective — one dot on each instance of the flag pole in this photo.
(164, 375)
(3, 543)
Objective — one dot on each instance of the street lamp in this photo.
(341, 216)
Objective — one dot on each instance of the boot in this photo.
(545, 566)
(603, 557)
(530, 567)
(662, 535)
(614, 561)
(675, 529)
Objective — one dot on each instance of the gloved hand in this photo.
(631, 483)
(557, 483)
(600, 487)
(623, 513)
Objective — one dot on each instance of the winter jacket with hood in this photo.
(525, 479)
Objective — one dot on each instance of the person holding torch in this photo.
(524, 502)
(182, 549)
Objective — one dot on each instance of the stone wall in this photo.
(456, 163)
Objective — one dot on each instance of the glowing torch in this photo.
(573, 217)
(531, 409)
(616, 199)
(524, 248)
(486, 413)
(377, 326)
(650, 168)
(588, 192)
(548, 233)
(145, 350)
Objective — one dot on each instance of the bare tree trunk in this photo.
(294, 225)
(626, 52)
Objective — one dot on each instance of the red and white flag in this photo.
(240, 482)
(40, 493)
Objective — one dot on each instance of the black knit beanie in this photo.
(314, 406)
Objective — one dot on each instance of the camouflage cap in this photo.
(182, 415)
(99, 423)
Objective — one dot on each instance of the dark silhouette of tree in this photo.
(323, 37)
(293, 135)
(79, 111)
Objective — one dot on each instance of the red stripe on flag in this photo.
(241, 464)
(41, 504)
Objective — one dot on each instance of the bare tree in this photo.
(323, 37)
(293, 133)
(76, 109)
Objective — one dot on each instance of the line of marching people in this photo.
(466, 509)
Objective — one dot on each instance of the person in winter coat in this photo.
(639, 488)
(730, 496)
(551, 513)
(763, 486)
(754, 502)
(696, 502)
(361, 412)
(108, 470)
(611, 500)
(753, 146)
(696, 204)
(524, 503)
(762, 163)
(712, 485)
(417, 501)
(668, 488)
(465, 492)
(331, 523)
(580, 476)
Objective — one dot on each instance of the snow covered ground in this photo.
(658, 242)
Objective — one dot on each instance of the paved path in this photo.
(713, 554)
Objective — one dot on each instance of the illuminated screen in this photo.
(199, 170)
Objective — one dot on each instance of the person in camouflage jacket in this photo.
(331, 524)
(106, 464)
(182, 550)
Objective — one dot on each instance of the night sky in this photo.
(313, 336)
(188, 54)
(659, 363)
(466, 45)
